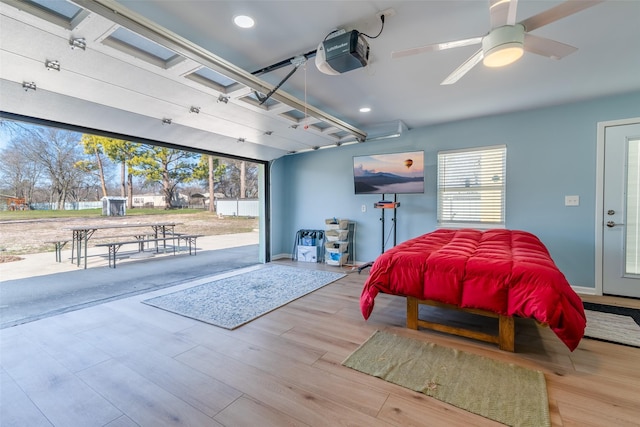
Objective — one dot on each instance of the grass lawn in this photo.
(87, 213)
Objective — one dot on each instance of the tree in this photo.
(212, 184)
(55, 158)
(19, 174)
(166, 166)
(93, 145)
(240, 179)
(56, 152)
(209, 169)
(116, 150)
(125, 153)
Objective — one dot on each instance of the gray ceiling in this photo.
(109, 89)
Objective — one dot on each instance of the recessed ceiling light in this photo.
(365, 109)
(243, 21)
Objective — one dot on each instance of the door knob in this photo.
(611, 212)
(612, 224)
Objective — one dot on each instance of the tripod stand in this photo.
(383, 205)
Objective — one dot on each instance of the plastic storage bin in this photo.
(336, 224)
(333, 257)
(338, 245)
(334, 235)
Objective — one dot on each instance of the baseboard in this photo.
(289, 256)
(584, 290)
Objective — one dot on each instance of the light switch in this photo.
(571, 200)
(364, 208)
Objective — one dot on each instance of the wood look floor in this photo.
(124, 363)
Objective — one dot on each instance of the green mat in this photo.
(500, 391)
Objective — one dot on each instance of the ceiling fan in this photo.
(507, 40)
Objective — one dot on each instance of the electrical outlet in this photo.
(387, 13)
(364, 208)
(572, 200)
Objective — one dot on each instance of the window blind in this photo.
(471, 186)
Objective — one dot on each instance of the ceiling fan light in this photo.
(503, 46)
(503, 55)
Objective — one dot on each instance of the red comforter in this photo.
(507, 272)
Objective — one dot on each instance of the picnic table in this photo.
(82, 233)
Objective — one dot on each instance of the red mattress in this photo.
(508, 272)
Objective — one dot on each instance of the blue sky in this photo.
(4, 138)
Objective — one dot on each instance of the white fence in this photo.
(240, 207)
(69, 206)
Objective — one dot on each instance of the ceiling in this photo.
(109, 86)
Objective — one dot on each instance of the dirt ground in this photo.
(27, 237)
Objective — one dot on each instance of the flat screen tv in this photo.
(395, 173)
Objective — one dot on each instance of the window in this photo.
(471, 187)
(138, 46)
(59, 12)
(63, 9)
(212, 79)
(632, 241)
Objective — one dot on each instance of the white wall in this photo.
(551, 153)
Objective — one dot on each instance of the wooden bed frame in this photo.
(506, 325)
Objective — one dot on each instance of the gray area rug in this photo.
(233, 301)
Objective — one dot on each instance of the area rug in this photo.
(619, 325)
(500, 391)
(233, 301)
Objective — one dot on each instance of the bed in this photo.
(497, 273)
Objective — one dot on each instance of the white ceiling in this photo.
(110, 90)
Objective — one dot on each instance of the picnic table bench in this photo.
(114, 247)
(58, 245)
(82, 234)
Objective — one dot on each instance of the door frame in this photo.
(599, 223)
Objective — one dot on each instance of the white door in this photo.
(621, 203)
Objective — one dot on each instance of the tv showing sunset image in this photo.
(395, 173)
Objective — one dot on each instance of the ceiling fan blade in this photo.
(560, 11)
(502, 12)
(464, 68)
(547, 47)
(436, 47)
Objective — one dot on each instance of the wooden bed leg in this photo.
(507, 332)
(412, 313)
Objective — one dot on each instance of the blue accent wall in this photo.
(551, 152)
